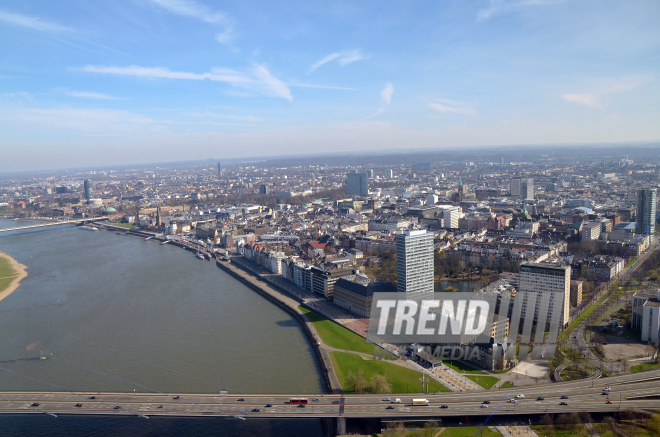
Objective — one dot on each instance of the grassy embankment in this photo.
(566, 333)
(124, 225)
(632, 261)
(462, 431)
(338, 337)
(402, 380)
(473, 374)
(581, 430)
(7, 274)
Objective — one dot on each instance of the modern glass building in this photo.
(356, 184)
(646, 211)
(88, 189)
(414, 262)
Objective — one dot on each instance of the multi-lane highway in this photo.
(628, 391)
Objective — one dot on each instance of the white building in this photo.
(450, 214)
(414, 262)
(540, 278)
(646, 316)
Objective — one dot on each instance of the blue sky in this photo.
(122, 81)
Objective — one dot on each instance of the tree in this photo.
(351, 381)
(361, 383)
(380, 384)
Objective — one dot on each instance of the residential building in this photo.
(355, 293)
(591, 231)
(323, 281)
(546, 278)
(414, 263)
(646, 316)
(576, 293)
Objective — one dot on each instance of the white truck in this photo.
(420, 402)
(396, 401)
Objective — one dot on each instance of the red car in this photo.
(609, 402)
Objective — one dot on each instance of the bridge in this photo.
(632, 391)
(67, 222)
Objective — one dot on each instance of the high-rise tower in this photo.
(414, 262)
(646, 211)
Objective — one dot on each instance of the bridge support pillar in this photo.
(341, 425)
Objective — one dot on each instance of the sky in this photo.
(92, 83)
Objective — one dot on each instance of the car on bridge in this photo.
(608, 402)
(486, 402)
(484, 406)
(78, 405)
(564, 397)
(390, 407)
(35, 404)
(444, 406)
(117, 407)
(520, 396)
(540, 398)
(387, 399)
(563, 403)
(256, 410)
(269, 405)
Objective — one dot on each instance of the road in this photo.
(628, 391)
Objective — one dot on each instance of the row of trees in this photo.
(359, 384)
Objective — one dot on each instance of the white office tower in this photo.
(414, 262)
(389, 174)
(527, 189)
(545, 278)
(450, 215)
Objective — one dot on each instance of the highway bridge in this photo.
(53, 223)
(634, 391)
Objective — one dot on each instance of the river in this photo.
(150, 317)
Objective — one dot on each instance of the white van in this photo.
(396, 401)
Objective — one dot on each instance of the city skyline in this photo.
(160, 80)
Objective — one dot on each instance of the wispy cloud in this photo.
(260, 80)
(380, 111)
(32, 22)
(88, 95)
(272, 84)
(498, 7)
(387, 92)
(246, 118)
(189, 8)
(452, 107)
(226, 37)
(327, 87)
(597, 98)
(344, 58)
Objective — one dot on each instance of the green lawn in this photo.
(5, 268)
(508, 385)
(644, 367)
(335, 335)
(484, 381)
(632, 261)
(402, 379)
(125, 225)
(469, 431)
(462, 368)
(566, 333)
(499, 370)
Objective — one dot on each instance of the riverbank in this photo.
(11, 274)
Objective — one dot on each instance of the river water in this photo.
(151, 318)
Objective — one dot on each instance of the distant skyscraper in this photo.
(527, 189)
(414, 262)
(523, 188)
(501, 161)
(88, 189)
(646, 211)
(515, 187)
(264, 189)
(389, 174)
(219, 170)
(356, 183)
(370, 173)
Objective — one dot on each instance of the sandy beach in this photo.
(19, 270)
